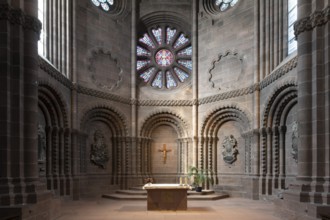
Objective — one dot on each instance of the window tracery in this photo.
(292, 17)
(164, 57)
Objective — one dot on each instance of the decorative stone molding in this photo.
(316, 19)
(164, 102)
(278, 73)
(235, 61)
(220, 114)
(54, 73)
(228, 95)
(103, 95)
(17, 17)
(286, 92)
(164, 116)
(53, 100)
(114, 118)
(171, 18)
(92, 58)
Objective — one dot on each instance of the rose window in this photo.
(105, 5)
(164, 58)
(223, 5)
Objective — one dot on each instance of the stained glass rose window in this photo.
(164, 57)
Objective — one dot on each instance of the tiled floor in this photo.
(225, 209)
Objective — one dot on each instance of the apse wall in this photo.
(102, 48)
(224, 117)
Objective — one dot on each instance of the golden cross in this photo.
(164, 151)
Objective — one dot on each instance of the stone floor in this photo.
(225, 209)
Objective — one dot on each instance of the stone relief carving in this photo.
(41, 143)
(294, 136)
(229, 151)
(227, 64)
(99, 150)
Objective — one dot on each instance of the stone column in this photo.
(275, 157)
(282, 162)
(19, 179)
(195, 143)
(310, 194)
(269, 147)
(263, 161)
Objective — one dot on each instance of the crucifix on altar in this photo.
(164, 151)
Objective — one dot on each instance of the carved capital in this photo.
(318, 18)
(263, 131)
(269, 131)
(17, 17)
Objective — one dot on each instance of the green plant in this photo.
(200, 176)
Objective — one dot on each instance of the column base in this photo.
(293, 210)
(46, 209)
(304, 201)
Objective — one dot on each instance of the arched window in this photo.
(42, 40)
(224, 5)
(292, 17)
(105, 5)
(164, 57)
(54, 43)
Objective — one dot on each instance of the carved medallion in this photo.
(294, 136)
(99, 150)
(226, 72)
(105, 71)
(229, 151)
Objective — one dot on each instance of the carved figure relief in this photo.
(41, 143)
(99, 150)
(229, 151)
(294, 136)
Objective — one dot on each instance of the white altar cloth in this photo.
(166, 186)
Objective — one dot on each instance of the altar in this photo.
(166, 196)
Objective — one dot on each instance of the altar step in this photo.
(140, 194)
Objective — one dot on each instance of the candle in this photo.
(180, 180)
(185, 180)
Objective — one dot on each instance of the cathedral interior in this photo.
(98, 95)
